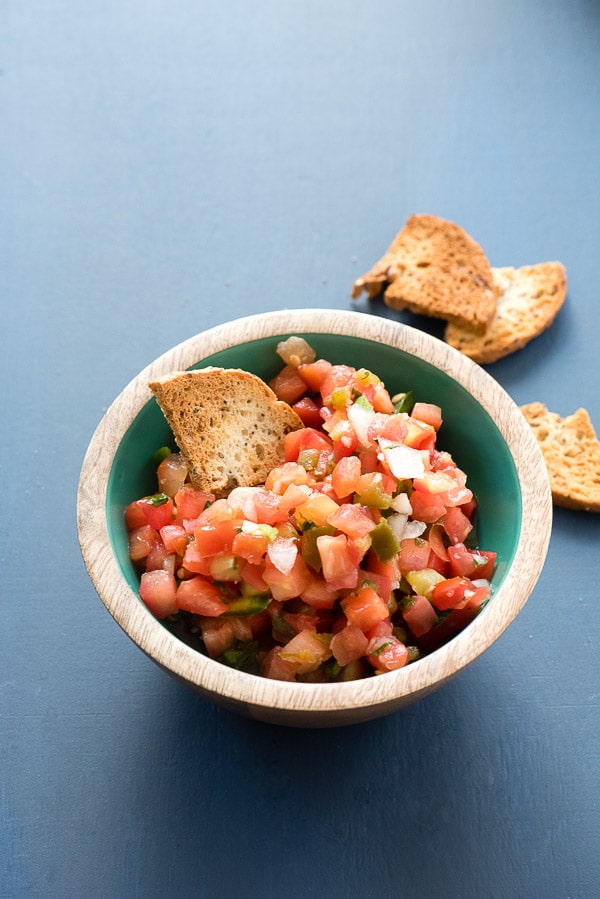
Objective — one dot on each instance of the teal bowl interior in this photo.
(468, 433)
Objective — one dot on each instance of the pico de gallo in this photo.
(354, 558)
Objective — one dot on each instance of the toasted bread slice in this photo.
(434, 268)
(572, 455)
(228, 424)
(529, 300)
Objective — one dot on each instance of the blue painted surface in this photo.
(165, 168)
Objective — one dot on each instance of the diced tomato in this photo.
(200, 596)
(313, 373)
(319, 594)
(381, 400)
(456, 525)
(158, 513)
(252, 575)
(275, 668)
(190, 503)
(345, 476)
(287, 385)
(305, 439)
(450, 593)
(471, 563)
(386, 653)
(316, 510)
(160, 557)
(216, 538)
(171, 474)
(428, 413)
(365, 608)
(251, 547)
(348, 645)
(194, 562)
(339, 562)
(427, 507)
(308, 412)
(419, 615)
(174, 537)
(413, 554)
(135, 517)
(141, 541)
(288, 585)
(158, 591)
(217, 635)
(280, 478)
(339, 376)
(352, 520)
(305, 652)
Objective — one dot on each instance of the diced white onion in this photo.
(414, 529)
(403, 461)
(360, 417)
(402, 504)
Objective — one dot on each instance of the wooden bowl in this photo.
(483, 429)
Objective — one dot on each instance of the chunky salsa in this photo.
(355, 557)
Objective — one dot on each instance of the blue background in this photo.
(167, 166)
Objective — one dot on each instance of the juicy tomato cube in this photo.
(349, 644)
(158, 590)
(200, 596)
(287, 385)
(387, 653)
(339, 563)
(419, 615)
(308, 412)
(365, 608)
(471, 563)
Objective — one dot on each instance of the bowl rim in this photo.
(250, 691)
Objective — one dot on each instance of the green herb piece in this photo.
(403, 402)
(159, 499)
(243, 657)
(161, 454)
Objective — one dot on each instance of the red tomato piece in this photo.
(288, 585)
(158, 590)
(309, 412)
(348, 645)
(200, 596)
(419, 615)
(141, 541)
(314, 373)
(135, 517)
(216, 538)
(386, 653)
(251, 547)
(190, 503)
(157, 516)
(339, 376)
(339, 562)
(287, 385)
(365, 608)
(413, 554)
(171, 474)
(174, 537)
(352, 520)
(305, 439)
(471, 563)
(428, 413)
(456, 525)
(427, 507)
(345, 475)
(217, 635)
(450, 593)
